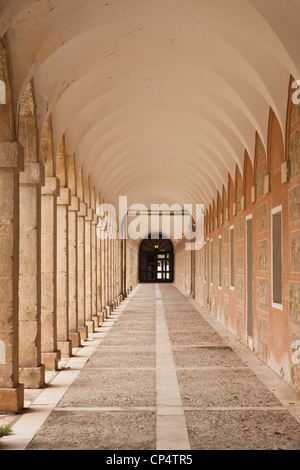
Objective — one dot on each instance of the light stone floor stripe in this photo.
(171, 426)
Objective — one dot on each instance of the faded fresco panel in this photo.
(225, 260)
(262, 218)
(262, 255)
(294, 204)
(261, 172)
(262, 338)
(294, 153)
(240, 229)
(262, 294)
(295, 251)
(226, 235)
(294, 302)
(240, 257)
(240, 287)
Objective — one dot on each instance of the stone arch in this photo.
(71, 165)
(219, 209)
(2, 352)
(87, 192)
(224, 204)
(7, 128)
(248, 179)
(46, 148)
(292, 150)
(260, 167)
(27, 128)
(61, 164)
(80, 186)
(2, 92)
(230, 193)
(238, 190)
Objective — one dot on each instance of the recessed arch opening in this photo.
(156, 259)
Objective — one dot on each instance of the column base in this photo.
(96, 321)
(76, 339)
(108, 310)
(65, 348)
(12, 399)
(32, 377)
(83, 330)
(90, 326)
(104, 311)
(50, 360)
(101, 318)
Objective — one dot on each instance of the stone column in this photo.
(62, 280)
(82, 328)
(74, 334)
(95, 317)
(11, 391)
(103, 280)
(107, 248)
(50, 354)
(32, 371)
(88, 271)
(99, 282)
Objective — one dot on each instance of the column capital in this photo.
(90, 215)
(75, 204)
(95, 219)
(11, 155)
(51, 186)
(83, 209)
(34, 173)
(64, 198)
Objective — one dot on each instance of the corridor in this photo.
(160, 374)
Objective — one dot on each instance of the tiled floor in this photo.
(160, 374)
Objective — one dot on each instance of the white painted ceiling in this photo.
(158, 99)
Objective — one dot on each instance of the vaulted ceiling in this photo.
(158, 99)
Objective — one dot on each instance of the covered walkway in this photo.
(160, 373)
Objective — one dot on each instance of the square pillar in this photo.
(11, 391)
(74, 334)
(62, 279)
(50, 353)
(88, 270)
(95, 278)
(32, 371)
(81, 214)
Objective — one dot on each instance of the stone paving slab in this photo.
(206, 357)
(204, 337)
(222, 387)
(134, 338)
(157, 375)
(92, 430)
(133, 388)
(134, 325)
(243, 430)
(124, 357)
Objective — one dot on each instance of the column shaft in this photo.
(63, 341)
(88, 272)
(32, 371)
(50, 354)
(94, 272)
(11, 391)
(74, 334)
(82, 328)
